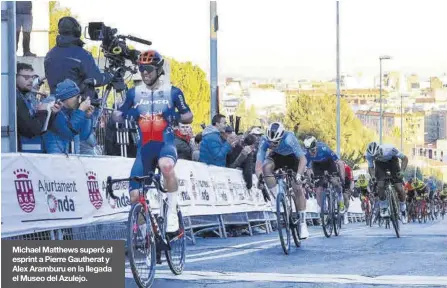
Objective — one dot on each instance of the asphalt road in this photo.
(360, 257)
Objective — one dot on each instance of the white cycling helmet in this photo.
(310, 142)
(373, 149)
(275, 132)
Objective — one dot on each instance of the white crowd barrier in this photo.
(42, 192)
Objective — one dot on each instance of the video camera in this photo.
(114, 46)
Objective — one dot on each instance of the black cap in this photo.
(69, 26)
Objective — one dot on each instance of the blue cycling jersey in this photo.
(388, 152)
(324, 153)
(288, 145)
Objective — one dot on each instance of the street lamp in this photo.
(383, 57)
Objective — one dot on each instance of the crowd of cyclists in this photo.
(420, 200)
(157, 107)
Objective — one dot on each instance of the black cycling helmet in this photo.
(69, 26)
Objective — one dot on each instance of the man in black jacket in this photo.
(68, 60)
(241, 156)
(31, 113)
(183, 134)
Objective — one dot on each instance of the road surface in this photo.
(360, 257)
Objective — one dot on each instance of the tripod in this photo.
(124, 130)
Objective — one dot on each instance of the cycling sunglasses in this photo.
(147, 68)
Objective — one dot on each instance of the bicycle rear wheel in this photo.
(176, 255)
(283, 222)
(326, 213)
(394, 211)
(141, 246)
(294, 220)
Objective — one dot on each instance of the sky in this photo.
(285, 39)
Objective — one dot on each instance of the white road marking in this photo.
(303, 278)
(231, 247)
(256, 249)
(259, 242)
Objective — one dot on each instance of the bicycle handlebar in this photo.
(156, 178)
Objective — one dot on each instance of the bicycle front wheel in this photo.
(283, 222)
(394, 211)
(176, 254)
(336, 215)
(294, 221)
(141, 246)
(326, 213)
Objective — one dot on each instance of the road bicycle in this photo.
(146, 232)
(330, 212)
(288, 218)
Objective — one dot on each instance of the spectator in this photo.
(72, 123)
(242, 157)
(31, 114)
(24, 23)
(257, 132)
(195, 144)
(183, 135)
(68, 60)
(216, 144)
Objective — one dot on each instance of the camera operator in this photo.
(68, 60)
(72, 124)
(31, 113)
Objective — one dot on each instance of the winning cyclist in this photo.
(383, 158)
(321, 158)
(285, 150)
(154, 106)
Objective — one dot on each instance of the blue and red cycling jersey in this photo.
(155, 112)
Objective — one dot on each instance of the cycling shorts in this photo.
(382, 167)
(147, 159)
(410, 194)
(327, 165)
(282, 161)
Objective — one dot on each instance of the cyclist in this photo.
(154, 106)
(321, 158)
(409, 188)
(348, 189)
(421, 188)
(362, 185)
(443, 194)
(285, 150)
(383, 158)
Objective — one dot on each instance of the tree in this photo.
(317, 116)
(249, 117)
(191, 79)
(56, 12)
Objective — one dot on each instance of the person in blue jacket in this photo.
(216, 144)
(72, 124)
(68, 60)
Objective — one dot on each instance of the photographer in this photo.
(241, 156)
(31, 113)
(72, 124)
(68, 60)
